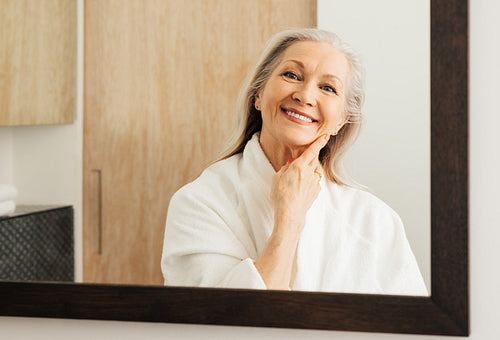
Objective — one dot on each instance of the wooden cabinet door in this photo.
(37, 62)
(161, 81)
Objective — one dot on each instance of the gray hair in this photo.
(250, 120)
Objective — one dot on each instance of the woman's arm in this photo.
(294, 188)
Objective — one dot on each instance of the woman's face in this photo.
(304, 96)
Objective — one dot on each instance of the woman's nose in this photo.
(305, 94)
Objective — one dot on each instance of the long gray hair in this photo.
(250, 120)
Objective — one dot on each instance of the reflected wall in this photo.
(392, 155)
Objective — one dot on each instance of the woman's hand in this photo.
(296, 186)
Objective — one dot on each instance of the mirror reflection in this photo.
(278, 211)
(159, 106)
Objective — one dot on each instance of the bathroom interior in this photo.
(108, 107)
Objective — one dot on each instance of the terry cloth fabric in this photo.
(7, 192)
(7, 208)
(218, 225)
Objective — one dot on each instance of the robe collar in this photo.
(256, 159)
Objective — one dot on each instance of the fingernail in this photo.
(290, 160)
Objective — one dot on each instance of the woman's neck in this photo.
(277, 152)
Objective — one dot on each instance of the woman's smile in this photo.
(297, 116)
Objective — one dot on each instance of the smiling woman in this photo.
(264, 216)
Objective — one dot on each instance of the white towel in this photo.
(7, 208)
(7, 192)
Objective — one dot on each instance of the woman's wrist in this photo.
(275, 262)
(288, 226)
(285, 239)
(276, 259)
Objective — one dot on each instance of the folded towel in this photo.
(7, 192)
(7, 208)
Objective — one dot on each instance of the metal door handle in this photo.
(98, 173)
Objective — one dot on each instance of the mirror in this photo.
(446, 311)
(114, 130)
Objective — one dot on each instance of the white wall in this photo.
(392, 154)
(6, 155)
(484, 227)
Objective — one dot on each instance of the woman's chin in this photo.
(299, 141)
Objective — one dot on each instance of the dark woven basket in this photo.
(36, 244)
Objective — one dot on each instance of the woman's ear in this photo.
(257, 102)
(346, 119)
(341, 124)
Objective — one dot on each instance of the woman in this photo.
(277, 212)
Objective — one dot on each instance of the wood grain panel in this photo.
(37, 62)
(161, 80)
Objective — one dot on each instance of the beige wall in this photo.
(484, 222)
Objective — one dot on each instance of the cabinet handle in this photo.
(98, 174)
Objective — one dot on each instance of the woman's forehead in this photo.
(318, 56)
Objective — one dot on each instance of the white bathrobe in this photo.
(218, 225)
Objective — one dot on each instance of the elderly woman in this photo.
(277, 212)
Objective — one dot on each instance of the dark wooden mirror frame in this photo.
(445, 312)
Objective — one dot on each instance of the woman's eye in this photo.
(291, 75)
(329, 89)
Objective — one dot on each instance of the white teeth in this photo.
(296, 115)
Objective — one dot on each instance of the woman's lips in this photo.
(298, 117)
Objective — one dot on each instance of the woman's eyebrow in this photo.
(334, 78)
(328, 75)
(301, 64)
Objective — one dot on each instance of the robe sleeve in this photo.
(381, 253)
(205, 244)
(398, 272)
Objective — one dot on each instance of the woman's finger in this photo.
(311, 154)
(318, 172)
